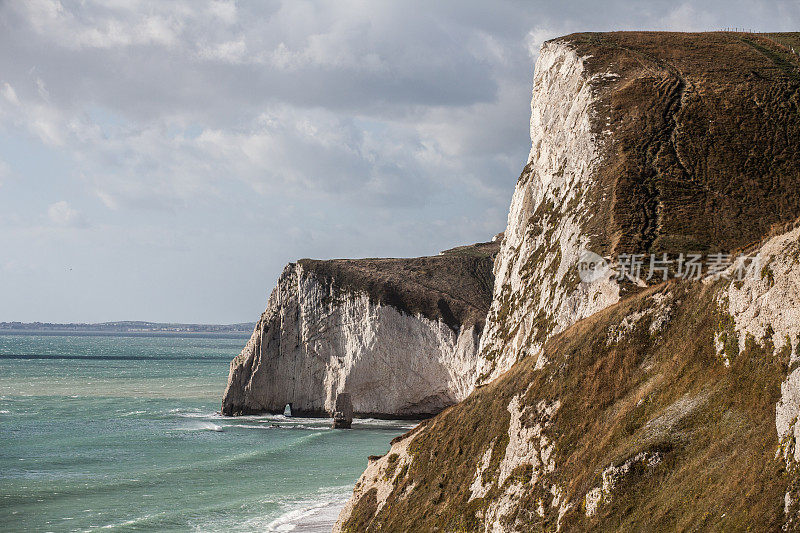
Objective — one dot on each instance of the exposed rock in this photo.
(343, 411)
(633, 435)
(400, 335)
(611, 477)
(537, 292)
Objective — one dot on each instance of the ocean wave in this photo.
(192, 412)
(288, 521)
(180, 358)
(380, 423)
(131, 413)
(280, 426)
(132, 522)
(202, 426)
(318, 514)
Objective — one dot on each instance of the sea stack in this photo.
(343, 412)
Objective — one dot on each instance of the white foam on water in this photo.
(381, 423)
(127, 524)
(311, 513)
(202, 426)
(312, 516)
(132, 413)
(287, 521)
(249, 426)
(194, 413)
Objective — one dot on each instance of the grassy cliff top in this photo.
(742, 55)
(455, 286)
(699, 135)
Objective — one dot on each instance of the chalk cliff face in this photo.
(647, 416)
(615, 405)
(537, 290)
(641, 143)
(399, 335)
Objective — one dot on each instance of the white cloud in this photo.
(103, 28)
(363, 127)
(225, 11)
(5, 171)
(685, 17)
(62, 214)
(10, 94)
(537, 36)
(43, 92)
(228, 52)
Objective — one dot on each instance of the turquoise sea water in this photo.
(122, 433)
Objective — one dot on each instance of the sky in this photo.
(163, 160)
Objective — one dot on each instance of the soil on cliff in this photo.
(454, 286)
(702, 149)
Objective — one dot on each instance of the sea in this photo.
(122, 433)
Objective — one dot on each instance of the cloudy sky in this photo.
(162, 160)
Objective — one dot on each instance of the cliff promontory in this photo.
(399, 335)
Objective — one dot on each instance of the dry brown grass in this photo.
(718, 468)
(705, 149)
(455, 286)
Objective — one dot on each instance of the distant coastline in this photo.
(126, 327)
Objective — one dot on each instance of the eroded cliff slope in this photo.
(399, 335)
(673, 410)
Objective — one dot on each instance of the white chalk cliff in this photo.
(401, 346)
(537, 291)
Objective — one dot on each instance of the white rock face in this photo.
(528, 447)
(765, 306)
(316, 340)
(611, 477)
(537, 291)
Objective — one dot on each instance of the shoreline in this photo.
(314, 518)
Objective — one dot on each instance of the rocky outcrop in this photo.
(400, 336)
(537, 291)
(618, 404)
(343, 411)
